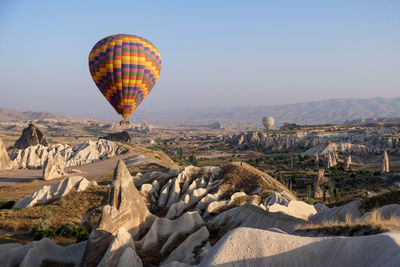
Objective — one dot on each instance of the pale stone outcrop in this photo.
(163, 227)
(186, 201)
(5, 162)
(51, 192)
(385, 162)
(339, 213)
(298, 209)
(53, 167)
(129, 258)
(254, 247)
(33, 254)
(184, 252)
(34, 157)
(347, 162)
(126, 208)
(120, 243)
(276, 198)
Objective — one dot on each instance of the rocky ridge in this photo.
(35, 156)
(369, 141)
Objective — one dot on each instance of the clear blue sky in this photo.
(214, 53)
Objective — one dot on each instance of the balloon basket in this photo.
(124, 123)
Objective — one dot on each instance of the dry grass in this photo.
(352, 227)
(69, 209)
(242, 178)
(159, 156)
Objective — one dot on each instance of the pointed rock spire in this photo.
(126, 208)
(385, 162)
(5, 162)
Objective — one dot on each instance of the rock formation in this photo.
(298, 209)
(53, 168)
(123, 136)
(351, 210)
(254, 247)
(347, 162)
(31, 136)
(321, 143)
(328, 161)
(125, 208)
(216, 125)
(385, 162)
(35, 253)
(34, 157)
(51, 192)
(5, 162)
(320, 184)
(316, 159)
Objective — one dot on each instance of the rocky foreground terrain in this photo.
(234, 215)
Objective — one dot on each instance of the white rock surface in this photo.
(255, 217)
(120, 243)
(339, 213)
(5, 162)
(34, 157)
(184, 252)
(163, 227)
(298, 209)
(53, 167)
(33, 254)
(51, 192)
(254, 247)
(129, 258)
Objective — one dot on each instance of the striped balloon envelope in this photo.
(125, 68)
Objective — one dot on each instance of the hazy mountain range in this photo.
(334, 111)
(12, 114)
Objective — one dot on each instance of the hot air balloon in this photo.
(125, 68)
(268, 122)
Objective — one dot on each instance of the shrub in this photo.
(7, 204)
(42, 229)
(47, 215)
(80, 233)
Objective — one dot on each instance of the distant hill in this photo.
(333, 111)
(12, 114)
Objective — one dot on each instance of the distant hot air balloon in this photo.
(125, 68)
(268, 122)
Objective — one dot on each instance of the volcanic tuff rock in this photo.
(385, 162)
(120, 243)
(5, 162)
(34, 157)
(347, 162)
(125, 208)
(254, 247)
(123, 136)
(31, 136)
(33, 254)
(51, 192)
(372, 140)
(53, 168)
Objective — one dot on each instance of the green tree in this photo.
(308, 191)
